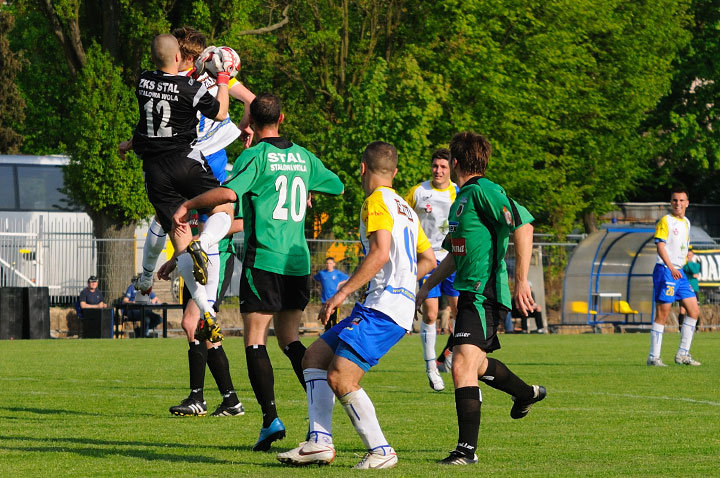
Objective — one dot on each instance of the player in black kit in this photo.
(174, 171)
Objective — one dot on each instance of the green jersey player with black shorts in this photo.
(480, 222)
(271, 182)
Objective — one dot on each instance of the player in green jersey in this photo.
(481, 220)
(272, 180)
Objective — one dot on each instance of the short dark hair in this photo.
(265, 109)
(380, 158)
(191, 41)
(472, 152)
(680, 190)
(441, 153)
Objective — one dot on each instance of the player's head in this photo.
(440, 166)
(266, 110)
(165, 51)
(679, 200)
(379, 165)
(690, 253)
(470, 153)
(329, 263)
(191, 42)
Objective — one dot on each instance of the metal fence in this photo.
(62, 258)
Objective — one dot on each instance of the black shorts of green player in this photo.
(263, 291)
(477, 321)
(171, 180)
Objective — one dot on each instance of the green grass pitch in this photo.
(100, 408)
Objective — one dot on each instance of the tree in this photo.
(686, 124)
(102, 110)
(12, 105)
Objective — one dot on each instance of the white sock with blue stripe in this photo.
(656, 337)
(185, 268)
(216, 227)
(154, 244)
(686, 335)
(361, 411)
(428, 336)
(321, 401)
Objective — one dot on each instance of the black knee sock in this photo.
(295, 351)
(220, 368)
(197, 358)
(538, 320)
(448, 346)
(261, 376)
(499, 377)
(467, 406)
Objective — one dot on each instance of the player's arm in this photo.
(426, 262)
(240, 92)
(375, 260)
(124, 147)
(662, 252)
(443, 271)
(522, 296)
(207, 200)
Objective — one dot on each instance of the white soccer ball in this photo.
(217, 61)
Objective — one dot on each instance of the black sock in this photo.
(467, 406)
(197, 358)
(448, 346)
(499, 377)
(538, 320)
(220, 368)
(295, 351)
(261, 376)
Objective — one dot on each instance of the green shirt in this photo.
(481, 220)
(690, 269)
(273, 178)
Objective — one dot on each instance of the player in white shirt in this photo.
(431, 200)
(397, 253)
(672, 238)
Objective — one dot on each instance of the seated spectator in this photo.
(90, 296)
(152, 319)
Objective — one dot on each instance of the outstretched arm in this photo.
(240, 92)
(377, 257)
(523, 239)
(207, 200)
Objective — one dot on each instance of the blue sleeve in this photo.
(152, 295)
(343, 276)
(317, 277)
(129, 292)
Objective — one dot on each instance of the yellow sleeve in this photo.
(375, 214)
(661, 230)
(410, 198)
(423, 244)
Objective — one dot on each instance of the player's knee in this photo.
(334, 379)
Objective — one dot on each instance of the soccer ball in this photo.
(213, 61)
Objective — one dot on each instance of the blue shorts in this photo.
(667, 289)
(443, 288)
(217, 161)
(364, 336)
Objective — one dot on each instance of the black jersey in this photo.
(168, 113)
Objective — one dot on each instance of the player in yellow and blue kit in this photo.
(672, 238)
(397, 253)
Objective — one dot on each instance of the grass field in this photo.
(100, 408)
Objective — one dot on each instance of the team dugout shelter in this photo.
(608, 278)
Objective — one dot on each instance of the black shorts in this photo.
(477, 321)
(171, 181)
(263, 291)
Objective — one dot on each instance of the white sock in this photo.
(686, 335)
(428, 335)
(216, 227)
(321, 401)
(154, 244)
(185, 268)
(213, 279)
(656, 336)
(361, 411)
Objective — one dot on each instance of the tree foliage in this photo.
(686, 124)
(12, 106)
(562, 88)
